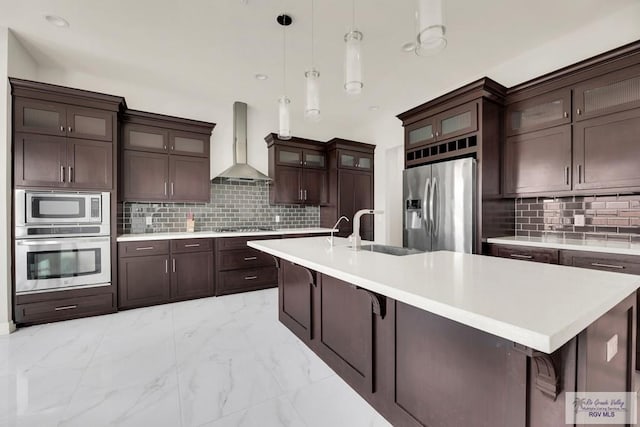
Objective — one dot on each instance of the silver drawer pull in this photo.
(250, 277)
(521, 256)
(192, 245)
(145, 248)
(597, 264)
(66, 307)
(251, 258)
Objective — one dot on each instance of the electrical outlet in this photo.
(578, 220)
(149, 220)
(277, 218)
(612, 347)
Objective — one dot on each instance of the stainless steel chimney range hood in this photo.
(241, 170)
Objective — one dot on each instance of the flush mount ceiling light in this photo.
(57, 21)
(430, 28)
(353, 57)
(312, 77)
(374, 108)
(284, 103)
(261, 76)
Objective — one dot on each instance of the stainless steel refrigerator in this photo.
(439, 206)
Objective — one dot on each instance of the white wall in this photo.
(14, 62)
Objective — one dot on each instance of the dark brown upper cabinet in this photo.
(610, 93)
(540, 112)
(538, 161)
(298, 169)
(63, 137)
(355, 160)
(165, 158)
(449, 124)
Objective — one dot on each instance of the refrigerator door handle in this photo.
(425, 206)
(433, 207)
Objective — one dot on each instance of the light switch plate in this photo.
(578, 220)
(612, 347)
(277, 218)
(149, 220)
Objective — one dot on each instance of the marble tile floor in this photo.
(213, 362)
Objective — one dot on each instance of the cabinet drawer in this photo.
(143, 248)
(549, 256)
(246, 280)
(598, 261)
(191, 245)
(62, 309)
(243, 258)
(226, 243)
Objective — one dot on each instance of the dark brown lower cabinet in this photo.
(524, 253)
(143, 281)
(192, 275)
(419, 369)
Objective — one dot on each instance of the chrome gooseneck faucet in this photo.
(330, 239)
(357, 241)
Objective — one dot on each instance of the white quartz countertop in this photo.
(606, 246)
(540, 306)
(206, 234)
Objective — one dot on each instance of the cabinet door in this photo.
(143, 280)
(346, 188)
(146, 138)
(189, 179)
(145, 176)
(457, 121)
(188, 144)
(420, 133)
(192, 275)
(363, 199)
(314, 185)
(314, 159)
(40, 117)
(295, 298)
(355, 160)
(288, 156)
(286, 188)
(90, 164)
(606, 151)
(523, 253)
(538, 161)
(610, 93)
(540, 112)
(88, 123)
(40, 161)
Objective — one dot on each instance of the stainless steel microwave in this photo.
(47, 213)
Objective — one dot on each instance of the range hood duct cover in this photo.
(241, 170)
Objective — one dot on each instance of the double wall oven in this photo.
(62, 240)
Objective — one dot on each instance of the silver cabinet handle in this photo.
(566, 115)
(305, 194)
(250, 277)
(597, 264)
(579, 174)
(251, 258)
(61, 173)
(578, 111)
(66, 307)
(166, 266)
(70, 129)
(70, 174)
(165, 146)
(61, 128)
(521, 256)
(301, 195)
(173, 147)
(144, 248)
(566, 175)
(172, 188)
(437, 133)
(165, 188)
(173, 265)
(192, 245)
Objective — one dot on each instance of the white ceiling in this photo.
(211, 49)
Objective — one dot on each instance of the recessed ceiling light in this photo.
(374, 108)
(261, 76)
(409, 47)
(57, 21)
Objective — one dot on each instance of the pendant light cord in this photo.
(313, 62)
(353, 15)
(284, 59)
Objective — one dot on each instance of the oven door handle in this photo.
(36, 242)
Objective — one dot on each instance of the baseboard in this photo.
(7, 327)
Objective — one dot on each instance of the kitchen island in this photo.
(451, 339)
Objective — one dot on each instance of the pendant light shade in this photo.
(284, 117)
(312, 105)
(353, 63)
(430, 28)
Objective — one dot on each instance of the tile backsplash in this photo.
(233, 204)
(606, 217)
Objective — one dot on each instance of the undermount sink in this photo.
(389, 250)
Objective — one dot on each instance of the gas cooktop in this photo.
(242, 229)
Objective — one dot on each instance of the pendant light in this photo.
(353, 57)
(312, 78)
(284, 103)
(430, 28)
